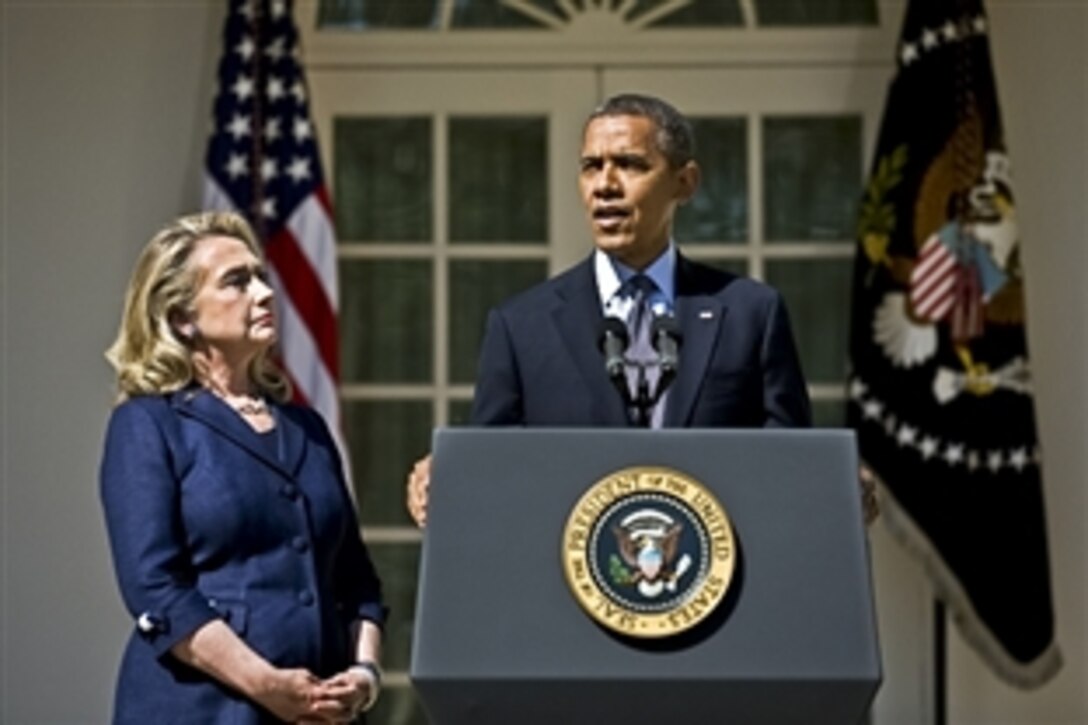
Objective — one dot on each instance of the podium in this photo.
(500, 638)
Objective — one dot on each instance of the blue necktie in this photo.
(641, 353)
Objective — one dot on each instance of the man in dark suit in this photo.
(540, 363)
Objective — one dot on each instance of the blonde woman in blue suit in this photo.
(233, 536)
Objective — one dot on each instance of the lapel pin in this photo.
(706, 314)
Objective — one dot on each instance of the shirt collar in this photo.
(612, 274)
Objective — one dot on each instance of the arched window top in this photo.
(597, 15)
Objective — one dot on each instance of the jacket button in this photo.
(289, 491)
(305, 598)
(300, 544)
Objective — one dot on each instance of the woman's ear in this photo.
(182, 324)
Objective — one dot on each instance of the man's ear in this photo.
(688, 178)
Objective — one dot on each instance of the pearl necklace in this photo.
(247, 405)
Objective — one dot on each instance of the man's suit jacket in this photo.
(208, 520)
(540, 364)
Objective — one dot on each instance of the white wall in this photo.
(1042, 73)
(103, 121)
(104, 131)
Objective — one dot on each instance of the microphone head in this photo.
(665, 326)
(612, 327)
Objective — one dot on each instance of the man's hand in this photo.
(419, 481)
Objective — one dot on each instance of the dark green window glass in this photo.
(460, 412)
(829, 414)
(375, 14)
(811, 177)
(385, 438)
(498, 180)
(816, 12)
(696, 14)
(398, 567)
(736, 266)
(475, 287)
(383, 179)
(386, 313)
(719, 210)
(817, 294)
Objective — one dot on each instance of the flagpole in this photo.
(940, 664)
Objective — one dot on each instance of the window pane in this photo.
(829, 414)
(816, 12)
(397, 706)
(697, 13)
(736, 266)
(489, 14)
(385, 438)
(371, 14)
(498, 180)
(383, 179)
(811, 177)
(475, 287)
(386, 321)
(398, 567)
(719, 210)
(460, 412)
(817, 294)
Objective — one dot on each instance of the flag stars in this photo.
(268, 208)
(298, 90)
(872, 409)
(275, 89)
(269, 170)
(929, 39)
(237, 166)
(1018, 459)
(275, 50)
(930, 447)
(243, 87)
(299, 170)
(949, 31)
(909, 53)
(953, 454)
(245, 48)
(979, 24)
(279, 8)
(239, 127)
(302, 130)
(890, 424)
(272, 131)
(973, 461)
(246, 9)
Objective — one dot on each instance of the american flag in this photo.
(263, 162)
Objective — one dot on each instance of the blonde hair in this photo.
(149, 355)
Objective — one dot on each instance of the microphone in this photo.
(613, 340)
(666, 339)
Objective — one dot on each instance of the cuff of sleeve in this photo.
(375, 613)
(164, 628)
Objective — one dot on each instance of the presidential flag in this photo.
(941, 388)
(263, 162)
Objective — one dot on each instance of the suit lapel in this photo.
(577, 315)
(700, 317)
(201, 405)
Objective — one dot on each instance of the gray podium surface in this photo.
(501, 639)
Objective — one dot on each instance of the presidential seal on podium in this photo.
(648, 552)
